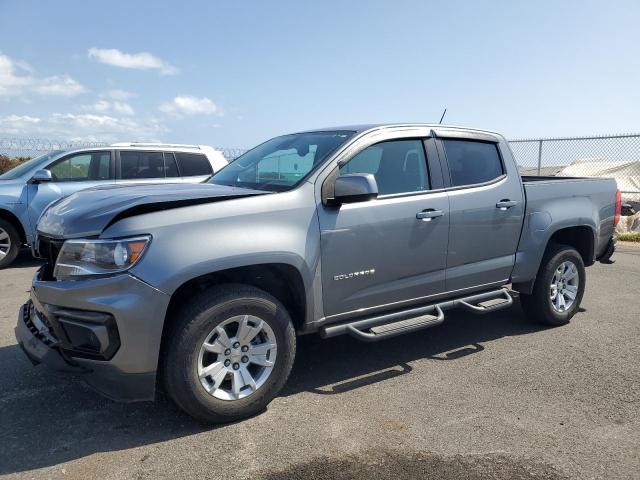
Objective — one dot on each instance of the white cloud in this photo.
(84, 127)
(187, 105)
(14, 78)
(17, 78)
(60, 85)
(105, 106)
(139, 61)
(118, 94)
(17, 124)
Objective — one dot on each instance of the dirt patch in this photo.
(397, 465)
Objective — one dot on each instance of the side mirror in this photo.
(354, 187)
(42, 176)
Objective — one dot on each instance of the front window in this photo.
(282, 162)
(23, 168)
(82, 167)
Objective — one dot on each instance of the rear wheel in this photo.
(558, 289)
(229, 353)
(9, 243)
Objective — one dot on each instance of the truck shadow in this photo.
(47, 419)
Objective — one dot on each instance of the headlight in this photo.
(80, 258)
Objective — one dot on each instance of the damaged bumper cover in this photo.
(106, 330)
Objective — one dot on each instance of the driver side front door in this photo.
(383, 253)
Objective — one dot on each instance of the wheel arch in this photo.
(282, 280)
(580, 237)
(15, 222)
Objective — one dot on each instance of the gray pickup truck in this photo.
(371, 231)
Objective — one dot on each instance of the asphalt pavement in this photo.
(479, 397)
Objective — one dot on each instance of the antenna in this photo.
(443, 114)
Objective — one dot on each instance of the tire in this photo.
(212, 398)
(541, 306)
(9, 243)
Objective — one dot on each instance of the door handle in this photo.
(429, 214)
(505, 204)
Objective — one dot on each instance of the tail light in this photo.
(616, 217)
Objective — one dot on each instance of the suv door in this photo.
(70, 174)
(487, 205)
(380, 253)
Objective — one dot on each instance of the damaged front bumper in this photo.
(107, 330)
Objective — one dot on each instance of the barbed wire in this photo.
(534, 156)
(31, 147)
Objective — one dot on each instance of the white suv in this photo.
(27, 190)
(153, 162)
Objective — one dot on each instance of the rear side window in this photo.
(193, 164)
(141, 165)
(472, 162)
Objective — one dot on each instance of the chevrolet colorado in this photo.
(371, 231)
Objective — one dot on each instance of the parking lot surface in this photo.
(479, 397)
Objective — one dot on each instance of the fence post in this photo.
(539, 155)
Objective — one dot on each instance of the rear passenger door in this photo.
(486, 203)
(138, 166)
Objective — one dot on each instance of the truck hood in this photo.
(89, 212)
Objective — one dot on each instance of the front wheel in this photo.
(9, 243)
(558, 289)
(229, 353)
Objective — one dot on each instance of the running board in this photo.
(381, 327)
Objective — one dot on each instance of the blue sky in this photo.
(235, 73)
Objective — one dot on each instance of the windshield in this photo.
(281, 163)
(23, 168)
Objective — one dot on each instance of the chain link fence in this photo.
(615, 156)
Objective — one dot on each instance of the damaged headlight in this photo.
(81, 258)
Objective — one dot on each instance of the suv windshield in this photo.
(23, 168)
(281, 163)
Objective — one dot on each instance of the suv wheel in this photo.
(9, 243)
(558, 289)
(229, 353)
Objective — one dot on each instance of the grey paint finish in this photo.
(202, 229)
(407, 254)
(483, 237)
(560, 203)
(87, 213)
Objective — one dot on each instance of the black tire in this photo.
(189, 330)
(538, 306)
(14, 247)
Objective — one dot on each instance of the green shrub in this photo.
(7, 163)
(629, 236)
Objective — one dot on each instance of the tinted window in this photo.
(472, 162)
(399, 166)
(141, 165)
(82, 167)
(193, 164)
(170, 166)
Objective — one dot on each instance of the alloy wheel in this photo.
(564, 286)
(237, 357)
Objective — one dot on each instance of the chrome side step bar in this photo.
(389, 325)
